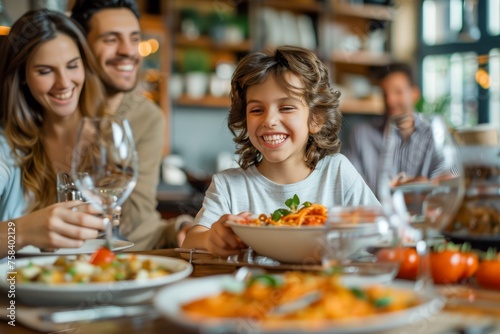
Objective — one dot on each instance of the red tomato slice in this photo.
(102, 256)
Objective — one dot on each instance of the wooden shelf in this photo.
(208, 43)
(347, 106)
(361, 58)
(208, 101)
(310, 6)
(374, 12)
(366, 106)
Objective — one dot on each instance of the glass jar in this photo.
(478, 219)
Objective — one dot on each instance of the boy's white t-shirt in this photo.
(334, 182)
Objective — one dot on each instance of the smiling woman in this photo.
(49, 83)
(56, 81)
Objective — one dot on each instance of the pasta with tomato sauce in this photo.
(263, 294)
(312, 215)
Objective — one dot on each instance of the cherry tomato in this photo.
(447, 266)
(408, 269)
(102, 256)
(488, 274)
(409, 261)
(471, 264)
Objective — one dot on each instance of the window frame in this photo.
(483, 46)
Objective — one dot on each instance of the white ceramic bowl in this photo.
(283, 243)
(308, 244)
(302, 245)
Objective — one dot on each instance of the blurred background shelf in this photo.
(209, 43)
(367, 11)
(207, 101)
(308, 6)
(361, 58)
(362, 106)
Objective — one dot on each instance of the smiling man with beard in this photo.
(114, 34)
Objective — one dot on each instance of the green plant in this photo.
(196, 60)
(440, 106)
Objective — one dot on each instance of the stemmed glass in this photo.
(421, 179)
(361, 243)
(104, 165)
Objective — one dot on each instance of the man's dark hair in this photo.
(84, 9)
(392, 68)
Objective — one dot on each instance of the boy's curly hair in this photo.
(322, 101)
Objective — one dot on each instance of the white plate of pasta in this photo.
(213, 304)
(76, 280)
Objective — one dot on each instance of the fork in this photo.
(244, 274)
(297, 304)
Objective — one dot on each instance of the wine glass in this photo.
(361, 242)
(104, 165)
(420, 178)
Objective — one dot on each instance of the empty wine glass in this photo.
(66, 189)
(422, 172)
(104, 164)
(362, 243)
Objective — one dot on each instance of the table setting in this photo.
(463, 307)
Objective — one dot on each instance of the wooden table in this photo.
(467, 304)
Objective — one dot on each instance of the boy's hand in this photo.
(221, 239)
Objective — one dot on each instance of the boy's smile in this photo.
(274, 140)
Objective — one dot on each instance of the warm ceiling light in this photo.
(4, 30)
(144, 49)
(483, 78)
(155, 45)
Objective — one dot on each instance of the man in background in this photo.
(114, 34)
(366, 139)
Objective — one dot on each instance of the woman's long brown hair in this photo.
(21, 116)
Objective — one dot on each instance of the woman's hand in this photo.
(62, 225)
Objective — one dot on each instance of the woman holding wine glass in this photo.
(49, 83)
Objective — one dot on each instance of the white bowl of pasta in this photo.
(289, 244)
(291, 235)
(308, 243)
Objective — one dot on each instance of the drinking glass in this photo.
(66, 189)
(421, 178)
(104, 164)
(361, 243)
